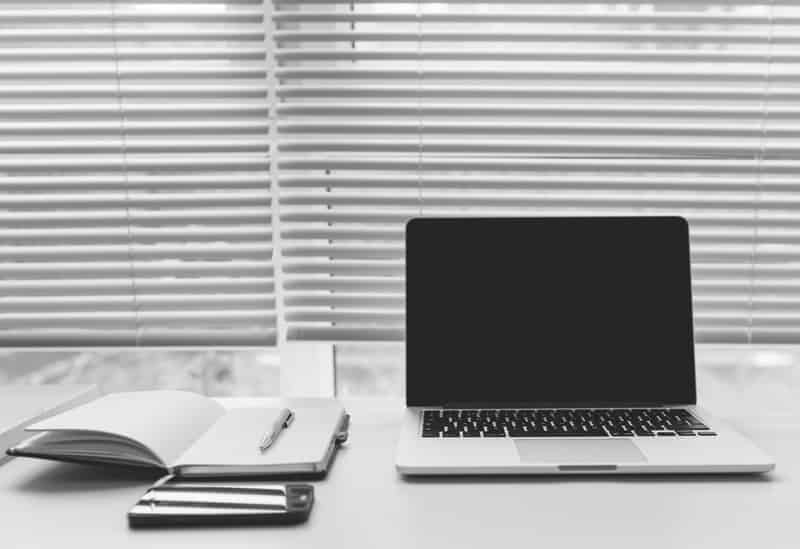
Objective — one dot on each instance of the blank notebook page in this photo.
(167, 422)
(235, 438)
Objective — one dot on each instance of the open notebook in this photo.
(188, 435)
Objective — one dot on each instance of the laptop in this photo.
(553, 346)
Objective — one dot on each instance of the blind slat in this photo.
(453, 15)
(169, 336)
(204, 89)
(544, 90)
(168, 182)
(143, 269)
(699, 3)
(98, 286)
(565, 34)
(139, 217)
(136, 235)
(121, 319)
(160, 251)
(84, 111)
(136, 128)
(175, 32)
(741, 182)
(477, 164)
(619, 200)
(565, 111)
(494, 75)
(126, 302)
(595, 55)
(740, 147)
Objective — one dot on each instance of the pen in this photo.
(283, 421)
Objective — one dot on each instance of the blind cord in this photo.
(124, 144)
(420, 124)
(270, 27)
(765, 97)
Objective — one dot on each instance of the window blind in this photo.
(134, 173)
(392, 110)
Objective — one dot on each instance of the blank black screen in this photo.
(549, 311)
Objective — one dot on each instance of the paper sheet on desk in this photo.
(235, 438)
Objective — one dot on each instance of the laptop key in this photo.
(555, 434)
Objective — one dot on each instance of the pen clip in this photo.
(344, 428)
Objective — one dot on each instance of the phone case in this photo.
(173, 502)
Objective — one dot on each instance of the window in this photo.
(392, 110)
(135, 194)
(154, 154)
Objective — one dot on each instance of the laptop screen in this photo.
(548, 312)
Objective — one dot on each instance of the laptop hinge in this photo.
(463, 405)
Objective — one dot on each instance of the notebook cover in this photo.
(294, 470)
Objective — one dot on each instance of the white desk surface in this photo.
(364, 503)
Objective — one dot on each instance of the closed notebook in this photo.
(189, 435)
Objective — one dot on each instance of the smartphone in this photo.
(172, 502)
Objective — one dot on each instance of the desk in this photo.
(364, 503)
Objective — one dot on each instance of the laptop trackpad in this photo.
(569, 451)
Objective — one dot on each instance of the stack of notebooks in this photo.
(190, 436)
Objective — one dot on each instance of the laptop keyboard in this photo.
(561, 422)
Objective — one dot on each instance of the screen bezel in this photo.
(415, 231)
